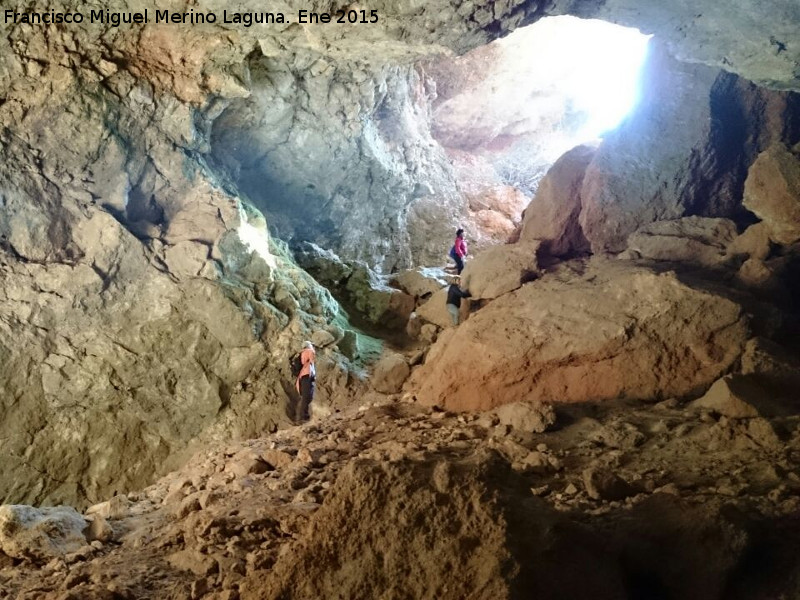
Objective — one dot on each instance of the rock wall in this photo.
(552, 216)
(685, 150)
(753, 40)
(142, 304)
(340, 153)
(323, 143)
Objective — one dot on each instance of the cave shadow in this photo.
(663, 547)
(764, 306)
(292, 399)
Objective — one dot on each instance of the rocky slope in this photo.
(618, 500)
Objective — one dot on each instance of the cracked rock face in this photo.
(323, 145)
(135, 314)
(772, 192)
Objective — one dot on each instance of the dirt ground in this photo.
(396, 500)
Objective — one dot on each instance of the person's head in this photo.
(459, 232)
(308, 344)
(456, 280)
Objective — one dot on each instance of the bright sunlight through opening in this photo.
(596, 64)
(521, 102)
(255, 239)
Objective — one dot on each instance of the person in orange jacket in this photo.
(305, 380)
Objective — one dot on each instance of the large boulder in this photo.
(500, 269)
(421, 282)
(699, 240)
(610, 331)
(494, 207)
(526, 417)
(755, 273)
(552, 215)
(390, 373)
(324, 265)
(358, 286)
(143, 307)
(321, 338)
(40, 534)
(774, 279)
(349, 344)
(737, 397)
(602, 484)
(772, 192)
(435, 310)
(376, 301)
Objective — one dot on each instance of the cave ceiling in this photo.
(756, 40)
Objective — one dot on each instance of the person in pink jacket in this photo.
(459, 251)
(305, 380)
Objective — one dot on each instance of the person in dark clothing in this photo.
(454, 296)
(459, 251)
(305, 381)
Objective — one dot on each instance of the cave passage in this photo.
(410, 152)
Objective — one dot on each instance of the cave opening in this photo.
(522, 101)
(612, 412)
(403, 149)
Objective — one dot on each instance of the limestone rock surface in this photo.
(390, 373)
(500, 269)
(435, 312)
(405, 492)
(322, 338)
(526, 417)
(680, 152)
(603, 332)
(39, 534)
(421, 282)
(736, 397)
(377, 301)
(358, 286)
(698, 240)
(753, 242)
(552, 215)
(772, 192)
